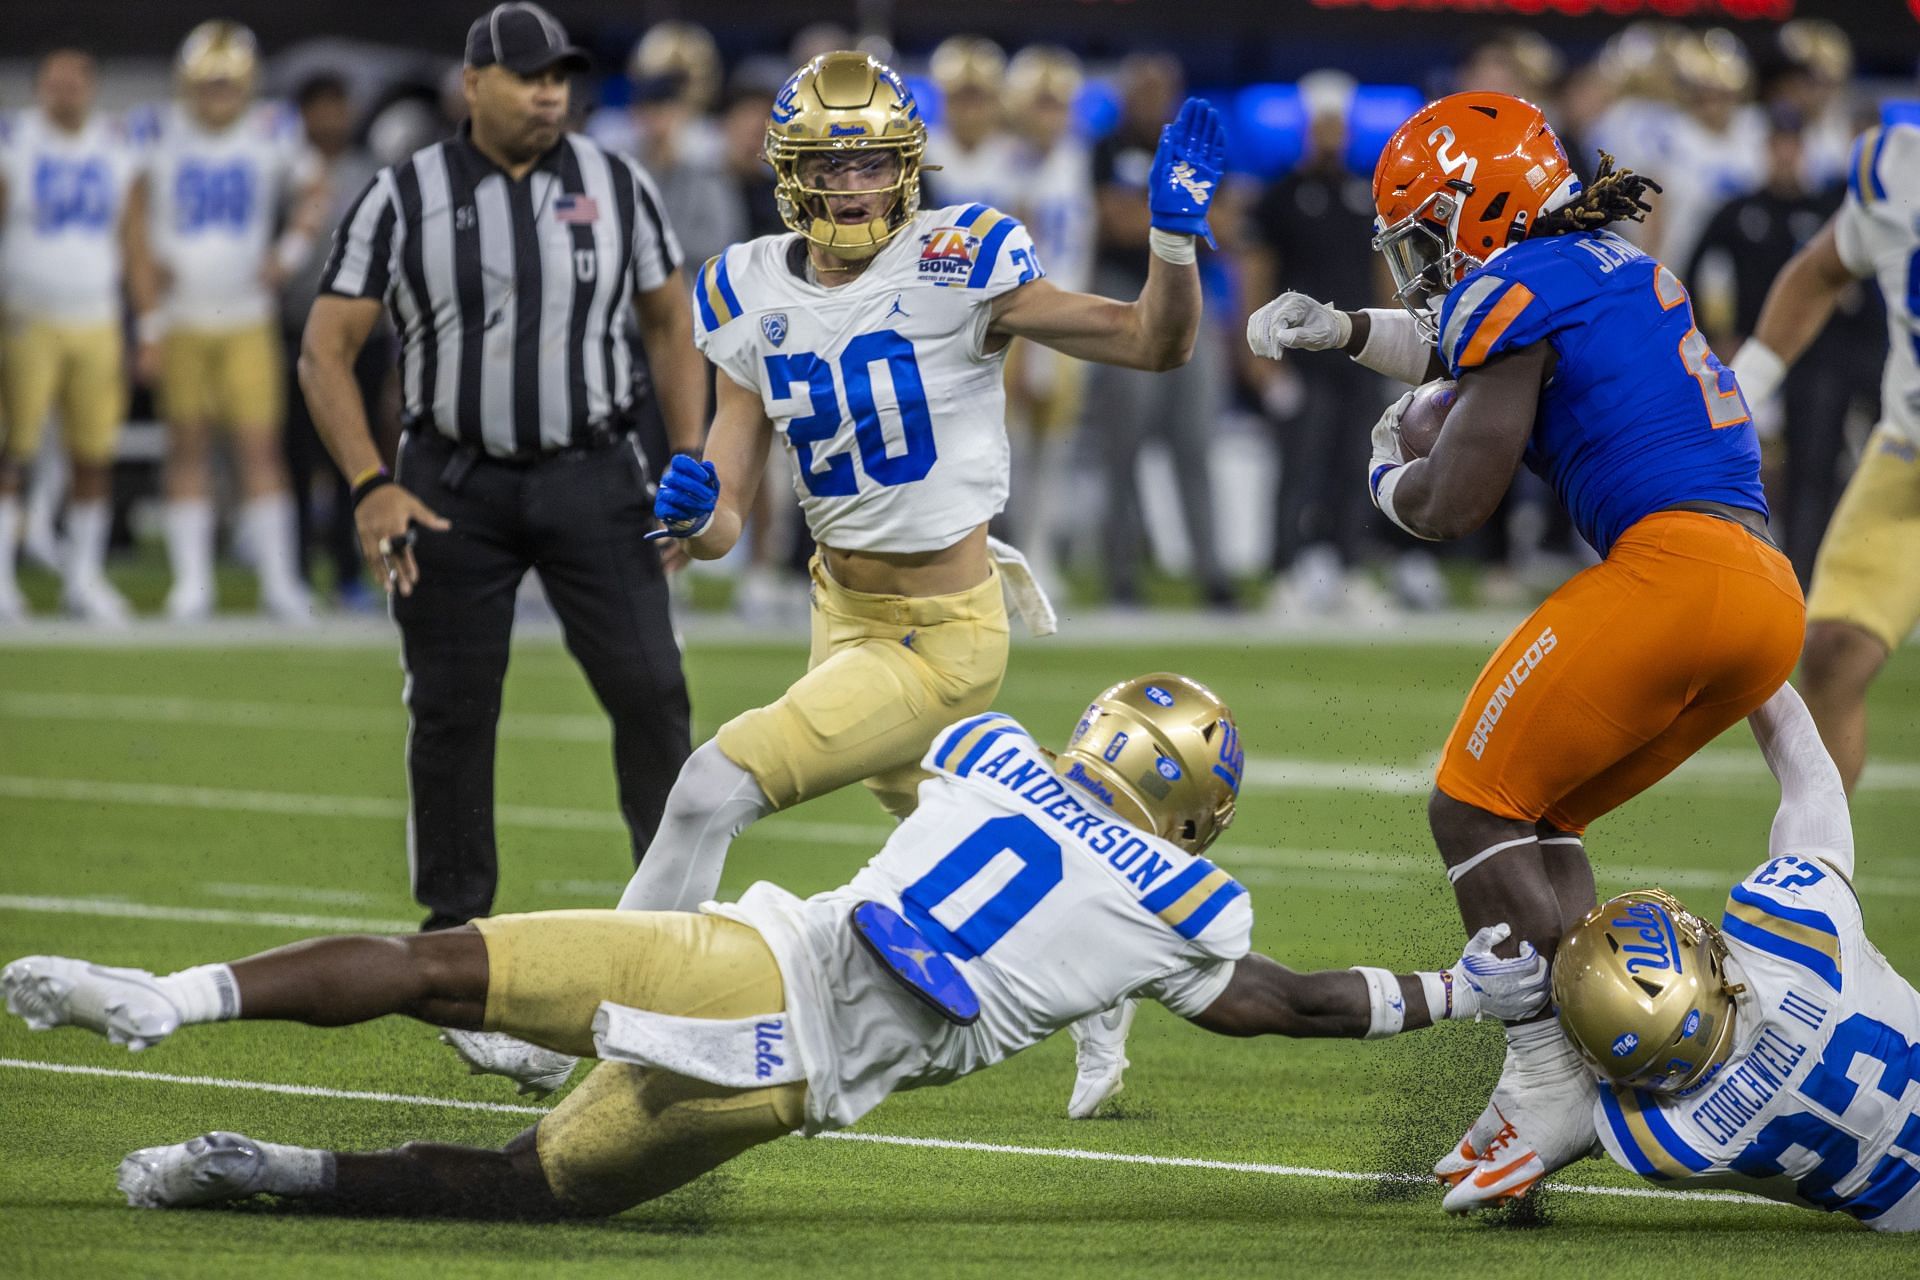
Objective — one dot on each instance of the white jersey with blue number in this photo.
(1820, 1103)
(60, 230)
(1877, 232)
(1049, 905)
(892, 407)
(214, 201)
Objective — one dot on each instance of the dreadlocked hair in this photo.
(1611, 197)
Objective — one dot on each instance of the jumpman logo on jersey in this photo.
(896, 310)
(919, 956)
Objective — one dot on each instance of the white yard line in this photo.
(882, 1139)
(117, 909)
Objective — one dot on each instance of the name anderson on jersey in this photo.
(1118, 843)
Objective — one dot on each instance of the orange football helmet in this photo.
(1465, 177)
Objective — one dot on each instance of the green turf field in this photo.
(165, 807)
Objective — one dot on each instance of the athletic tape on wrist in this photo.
(1383, 487)
(1169, 247)
(1394, 346)
(1387, 1008)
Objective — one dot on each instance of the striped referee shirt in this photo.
(509, 297)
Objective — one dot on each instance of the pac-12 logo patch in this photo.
(774, 325)
(947, 253)
(1168, 769)
(1626, 1044)
(1159, 696)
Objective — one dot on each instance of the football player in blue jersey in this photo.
(1577, 355)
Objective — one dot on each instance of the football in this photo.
(1420, 424)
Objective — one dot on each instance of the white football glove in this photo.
(1508, 989)
(1297, 321)
(1386, 435)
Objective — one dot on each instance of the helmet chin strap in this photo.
(825, 232)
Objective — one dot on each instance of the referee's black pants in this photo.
(577, 516)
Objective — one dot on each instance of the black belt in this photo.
(462, 457)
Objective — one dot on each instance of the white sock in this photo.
(9, 537)
(204, 993)
(1540, 1051)
(712, 801)
(190, 543)
(274, 535)
(294, 1171)
(88, 524)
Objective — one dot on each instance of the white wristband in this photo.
(1394, 346)
(1387, 1009)
(1759, 371)
(1169, 247)
(1383, 499)
(1449, 996)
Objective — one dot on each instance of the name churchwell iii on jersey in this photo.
(1025, 892)
(1777, 1053)
(871, 340)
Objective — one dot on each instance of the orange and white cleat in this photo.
(1540, 1120)
(1473, 1144)
(1504, 1172)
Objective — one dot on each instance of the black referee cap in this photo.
(523, 38)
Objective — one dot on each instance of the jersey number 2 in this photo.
(833, 476)
(1726, 407)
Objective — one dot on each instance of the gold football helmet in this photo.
(1161, 751)
(968, 62)
(1641, 988)
(842, 103)
(683, 49)
(1042, 72)
(218, 50)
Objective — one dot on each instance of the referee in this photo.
(506, 255)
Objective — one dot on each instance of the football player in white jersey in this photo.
(1777, 1053)
(220, 167)
(1052, 176)
(970, 152)
(1865, 598)
(871, 340)
(1027, 891)
(66, 220)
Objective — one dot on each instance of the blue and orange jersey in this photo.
(1638, 414)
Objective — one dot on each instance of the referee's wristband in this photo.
(369, 480)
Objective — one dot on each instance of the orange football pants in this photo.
(1630, 667)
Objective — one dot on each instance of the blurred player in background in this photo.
(1774, 1054)
(1713, 152)
(1179, 410)
(970, 154)
(220, 170)
(909, 619)
(1576, 353)
(783, 1014)
(1052, 178)
(70, 217)
(1866, 592)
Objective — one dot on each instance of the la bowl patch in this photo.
(948, 253)
(1168, 769)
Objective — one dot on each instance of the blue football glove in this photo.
(1186, 170)
(686, 498)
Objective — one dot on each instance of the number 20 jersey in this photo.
(1820, 1103)
(1638, 414)
(1877, 233)
(891, 406)
(1049, 905)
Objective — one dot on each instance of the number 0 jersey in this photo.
(1820, 1103)
(60, 230)
(214, 199)
(1049, 905)
(1877, 232)
(1639, 414)
(884, 390)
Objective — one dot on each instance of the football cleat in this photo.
(1459, 1162)
(203, 1170)
(1100, 1057)
(1543, 1109)
(94, 600)
(535, 1071)
(124, 1005)
(190, 602)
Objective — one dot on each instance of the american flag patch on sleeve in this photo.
(575, 210)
